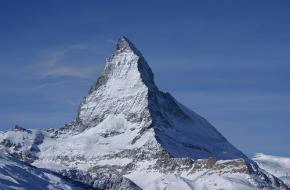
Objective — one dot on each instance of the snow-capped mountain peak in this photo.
(122, 87)
(127, 130)
(126, 89)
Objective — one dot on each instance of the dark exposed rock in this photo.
(19, 128)
(101, 179)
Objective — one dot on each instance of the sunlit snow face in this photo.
(123, 91)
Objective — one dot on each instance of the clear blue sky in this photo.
(227, 60)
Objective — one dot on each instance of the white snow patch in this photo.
(276, 165)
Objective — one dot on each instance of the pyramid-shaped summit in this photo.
(127, 100)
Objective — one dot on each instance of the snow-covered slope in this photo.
(276, 165)
(127, 131)
(15, 174)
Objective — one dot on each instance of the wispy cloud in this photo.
(111, 41)
(68, 61)
(58, 83)
(70, 71)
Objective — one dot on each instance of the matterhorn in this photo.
(128, 134)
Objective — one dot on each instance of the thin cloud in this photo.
(58, 63)
(59, 83)
(69, 71)
(111, 41)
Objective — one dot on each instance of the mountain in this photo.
(126, 93)
(276, 165)
(130, 135)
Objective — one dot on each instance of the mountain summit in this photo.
(122, 88)
(126, 88)
(124, 44)
(130, 135)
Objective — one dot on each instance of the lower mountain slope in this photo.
(15, 174)
(72, 156)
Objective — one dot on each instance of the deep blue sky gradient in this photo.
(227, 60)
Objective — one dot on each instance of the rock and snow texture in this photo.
(15, 174)
(276, 165)
(130, 135)
(126, 89)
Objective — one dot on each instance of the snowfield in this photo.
(276, 165)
